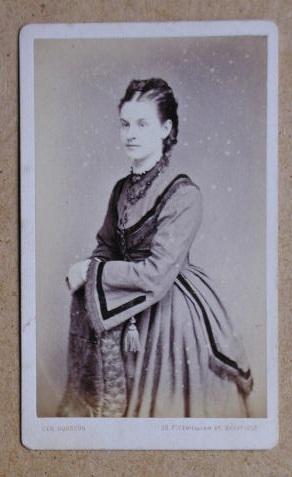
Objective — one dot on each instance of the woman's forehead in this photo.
(143, 108)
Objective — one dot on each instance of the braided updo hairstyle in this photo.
(157, 90)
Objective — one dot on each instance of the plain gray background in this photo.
(220, 84)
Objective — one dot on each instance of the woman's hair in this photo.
(157, 90)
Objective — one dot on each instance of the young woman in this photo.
(149, 337)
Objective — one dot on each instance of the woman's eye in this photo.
(124, 125)
(142, 124)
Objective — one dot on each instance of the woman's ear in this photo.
(166, 128)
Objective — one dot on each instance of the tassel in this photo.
(131, 338)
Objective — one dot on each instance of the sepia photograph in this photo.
(149, 233)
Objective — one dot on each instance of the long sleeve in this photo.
(107, 248)
(117, 290)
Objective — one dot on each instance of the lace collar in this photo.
(139, 183)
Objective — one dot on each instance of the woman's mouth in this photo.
(132, 145)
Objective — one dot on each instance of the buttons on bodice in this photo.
(123, 242)
(136, 187)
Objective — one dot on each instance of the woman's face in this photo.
(141, 131)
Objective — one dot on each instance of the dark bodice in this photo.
(134, 242)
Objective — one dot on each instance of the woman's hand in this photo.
(77, 275)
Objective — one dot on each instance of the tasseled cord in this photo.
(131, 337)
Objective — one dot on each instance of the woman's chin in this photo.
(134, 157)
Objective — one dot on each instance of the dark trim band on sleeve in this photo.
(102, 300)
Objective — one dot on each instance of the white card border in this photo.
(148, 433)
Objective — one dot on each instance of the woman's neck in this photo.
(143, 165)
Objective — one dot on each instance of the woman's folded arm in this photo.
(117, 290)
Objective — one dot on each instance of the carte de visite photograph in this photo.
(149, 235)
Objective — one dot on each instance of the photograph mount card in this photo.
(149, 235)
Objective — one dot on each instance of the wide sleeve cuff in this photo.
(104, 315)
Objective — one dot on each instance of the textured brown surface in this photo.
(17, 461)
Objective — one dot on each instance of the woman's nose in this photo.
(131, 133)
